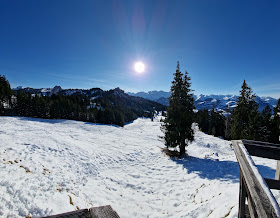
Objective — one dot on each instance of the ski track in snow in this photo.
(55, 166)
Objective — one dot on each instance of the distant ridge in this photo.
(223, 103)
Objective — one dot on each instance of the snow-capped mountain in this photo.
(220, 102)
(151, 95)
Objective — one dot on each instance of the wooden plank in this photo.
(252, 207)
(242, 197)
(247, 213)
(277, 173)
(246, 141)
(84, 213)
(261, 197)
(266, 151)
(103, 212)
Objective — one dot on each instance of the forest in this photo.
(245, 122)
(113, 107)
(116, 107)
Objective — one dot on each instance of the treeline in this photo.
(212, 123)
(108, 109)
(245, 122)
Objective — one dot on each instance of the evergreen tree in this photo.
(275, 129)
(5, 93)
(265, 124)
(119, 118)
(212, 130)
(245, 118)
(203, 118)
(177, 126)
(228, 123)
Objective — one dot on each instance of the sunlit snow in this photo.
(55, 166)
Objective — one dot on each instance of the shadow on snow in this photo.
(220, 170)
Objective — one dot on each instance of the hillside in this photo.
(92, 105)
(54, 166)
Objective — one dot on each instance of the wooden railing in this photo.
(253, 187)
(94, 212)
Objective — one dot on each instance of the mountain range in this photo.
(223, 103)
(97, 96)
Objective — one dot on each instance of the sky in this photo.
(86, 44)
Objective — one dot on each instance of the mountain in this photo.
(93, 105)
(151, 95)
(223, 103)
(114, 96)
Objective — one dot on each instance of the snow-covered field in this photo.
(55, 166)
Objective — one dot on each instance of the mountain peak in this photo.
(222, 103)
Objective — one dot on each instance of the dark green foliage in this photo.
(110, 107)
(246, 122)
(245, 118)
(265, 129)
(275, 124)
(216, 124)
(5, 94)
(228, 123)
(112, 110)
(212, 123)
(202, 117)
(178, 122)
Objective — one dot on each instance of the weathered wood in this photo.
(259, 196)
(277, 173)
(103, 212)
(247, 213)
(252, 207)
(246, 141)
(242, 197)
(94, 212)
(273, 184)
(266, 150)
(84, 213)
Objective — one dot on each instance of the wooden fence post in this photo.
(277, 173)
(242, 197)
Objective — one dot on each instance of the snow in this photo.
(55, 166)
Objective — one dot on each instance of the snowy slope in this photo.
(55, 166)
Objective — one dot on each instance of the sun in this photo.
(139, 67)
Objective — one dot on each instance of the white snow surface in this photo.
(55, 166)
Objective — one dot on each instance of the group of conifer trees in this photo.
(212, 123)
(72, 107)
(245, 122)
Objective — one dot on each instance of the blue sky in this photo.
(85, 44)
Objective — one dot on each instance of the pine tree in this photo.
(177, 126)
(5, 93)
(228, 123)
(276, 123)
(265, 124)
(245, 118)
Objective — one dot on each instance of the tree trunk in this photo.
(182, 148)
